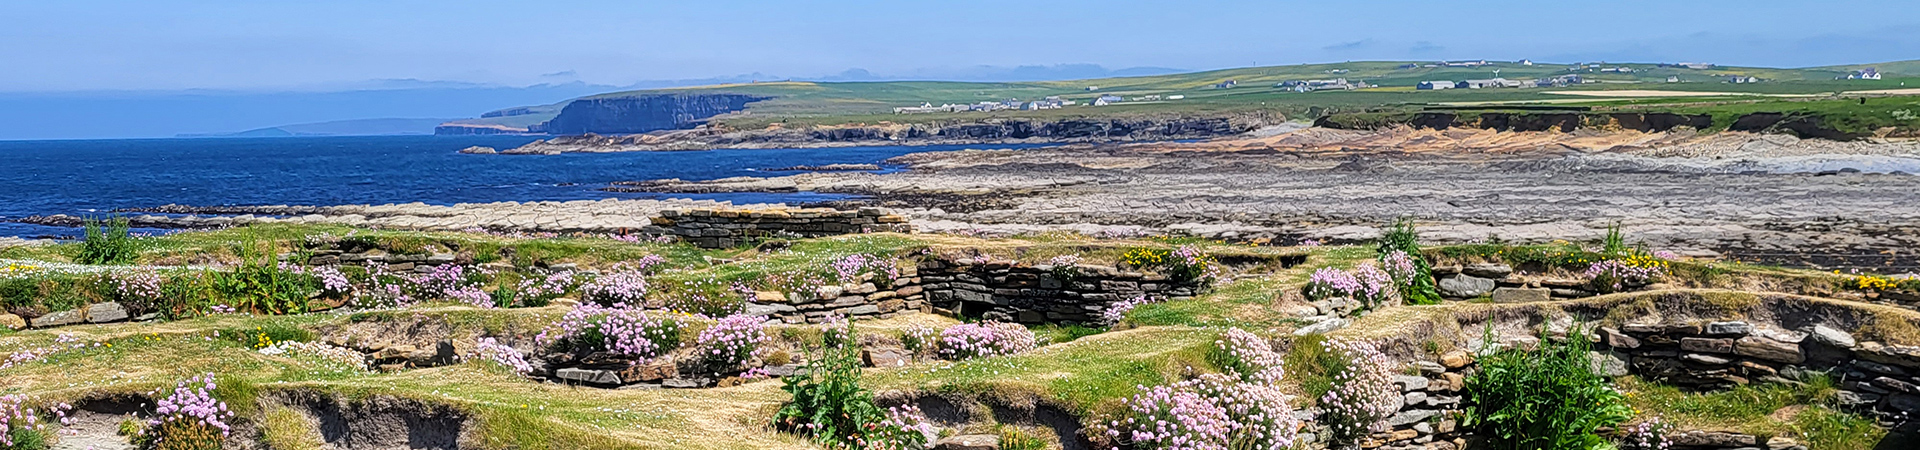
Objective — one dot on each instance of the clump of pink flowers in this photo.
(1377, 287)
(540, 291)
(920, 339)
(1329, 282)
(1648, 435)
(190, 416)
(17, 417)
(1248, 356)
(630, 332)
(984, 339)
(1212, 412)
(620, 289)
(1117, 311)
(138, 290)
(1400, 266)
(1614, 275)
(488, 349)
(850, 268)
(1362, 396)
(732, 341)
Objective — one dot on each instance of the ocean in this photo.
(93, 177)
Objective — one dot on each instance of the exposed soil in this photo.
(383, 422)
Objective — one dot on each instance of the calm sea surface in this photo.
(94, 176)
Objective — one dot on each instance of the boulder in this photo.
(886, 357)
(651, 372)
(58, 318)
(969, 442)
(1521, 295)
(1324, 327)
(1832, 337)
(106, 312)
(479, 150)
(600, 377)
(1487, 270)
(1465, 286)
(1607, 364)
(12, 322)
(1456, 359)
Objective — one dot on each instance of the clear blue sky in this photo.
(159, 44)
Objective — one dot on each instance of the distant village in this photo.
(1574, 76)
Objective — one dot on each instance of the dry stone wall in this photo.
(976, 288)
(1882, 381)
(721, 227)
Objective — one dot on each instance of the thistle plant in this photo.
(829, 405)
(1548, 398)
(189, 418)
(984, 339)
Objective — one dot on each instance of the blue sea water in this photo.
(81, 177)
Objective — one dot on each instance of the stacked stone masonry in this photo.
(722, 228)
(1882, 381)
(1501, 284)
(987, 289)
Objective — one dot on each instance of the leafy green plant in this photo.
(1544, 399)
(109, 242)
(830, 405)
(265, 288)
(1616, 243)
(1419, 288)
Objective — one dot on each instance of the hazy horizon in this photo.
(93, 45)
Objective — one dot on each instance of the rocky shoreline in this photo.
(996, 131)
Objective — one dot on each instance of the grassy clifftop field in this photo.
(829, 103)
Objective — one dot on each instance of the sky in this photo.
(91, 45)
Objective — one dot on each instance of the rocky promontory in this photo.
(965, 132)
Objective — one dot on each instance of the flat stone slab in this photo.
(1521, 295)
(602, 377)
(106, 312)
(60, 318)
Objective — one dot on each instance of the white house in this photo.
(1434, 85)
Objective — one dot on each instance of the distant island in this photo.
(356, 127)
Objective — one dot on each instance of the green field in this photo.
(827, 103)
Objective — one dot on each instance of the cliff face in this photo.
(640, 114)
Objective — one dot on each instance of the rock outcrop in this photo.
(643, 113)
